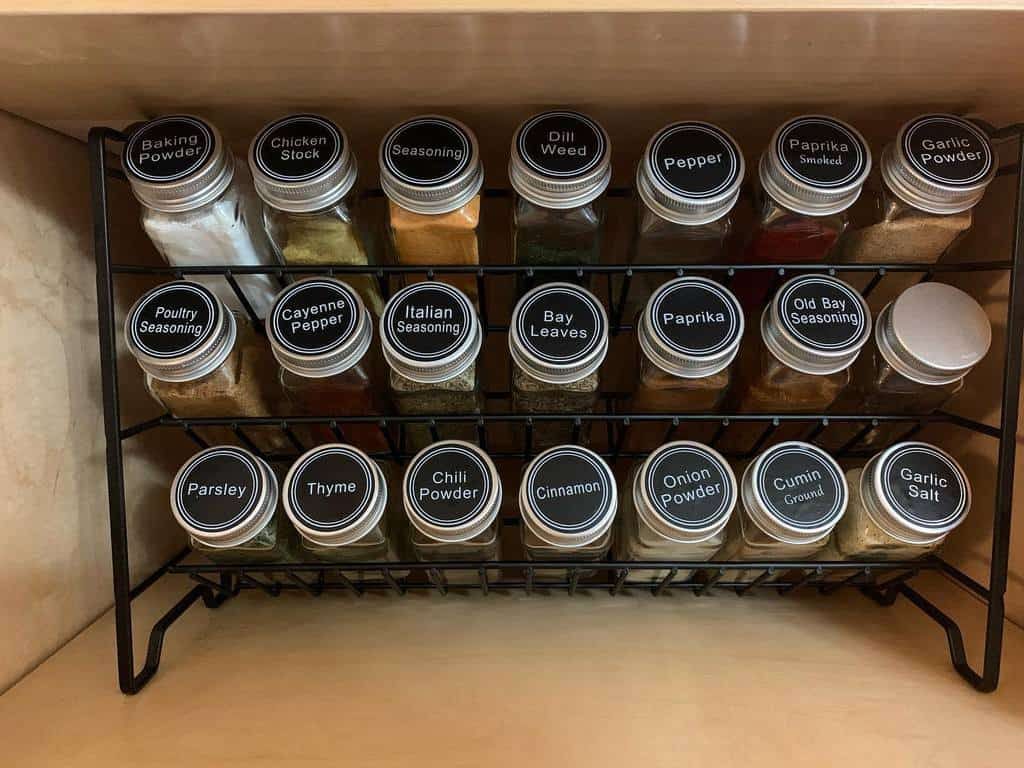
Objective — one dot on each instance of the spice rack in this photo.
(883, 582)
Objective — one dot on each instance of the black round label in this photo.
(695, 160)
(297, 148)
(427, 322)
(570, 490)
(948, 150)
(314, 316)
(174, 319)
(801, 487)
(924, 486)
(561, 144)
(696, 317)
(332, 489)
(821, 152)
(689, 487)
(560, 324)
(448, 485)
(168, 148)
(823, 313)
(218, 489)
(427, 151)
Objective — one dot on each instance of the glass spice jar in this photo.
(226, 500)
(452, 495)
(568, 502)
(558, 338)
(320, 333)
(198, 205)
(203, 361)
(933, 175)
(431, 173)
(676, 504)
(430, 337)
(304, 170)
(903, 504)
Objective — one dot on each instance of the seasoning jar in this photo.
(568, 502)
(933, 175)
(452, 495)
(198, 205)
(203, 361)
(903, 504)
(304, 170)
(559, 167)
(791, 497)
(676, 504)
(226, 500)
(558, 338)
(431, 173)
(430, 336)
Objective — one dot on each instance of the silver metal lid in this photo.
(451, 491)
(560, 160)
(933, 333)
(430, 332)
(318, 327)
(691, 327)
(815, 165)
(794, 492)
(430, 164)
(568, 496)
(179, 331)
(177, 163)
(816, 324)
(685, 492)
(302, 163)
(558, 333)
(941, 164)
(223, 496)
(334, 495)
(691, 173)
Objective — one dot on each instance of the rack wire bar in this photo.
(883, 581)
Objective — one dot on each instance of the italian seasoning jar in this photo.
(903, 504)
(226, 500)
(558, 338)
(560, 167)
(304, 170)
(430, 337)
(933, 175)
(676, 504)
(452, 495)
(568, 502)
(791, 497)
(198, 205)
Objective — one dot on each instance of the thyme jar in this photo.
(933, 175)
(452, 495)
(568, 502)
(903, 504)
(676, 504)
(558, 338)
(305, 172)
(225, 498)
(198, 205)
(430, 337)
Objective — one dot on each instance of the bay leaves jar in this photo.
(903, 504)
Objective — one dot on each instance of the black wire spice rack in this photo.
(883, 581)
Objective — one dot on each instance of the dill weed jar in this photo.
(225, 498)
(198, 204)
(558, 338)
(903, 503)
(305, 172)
(933, 175)
(430, 336)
